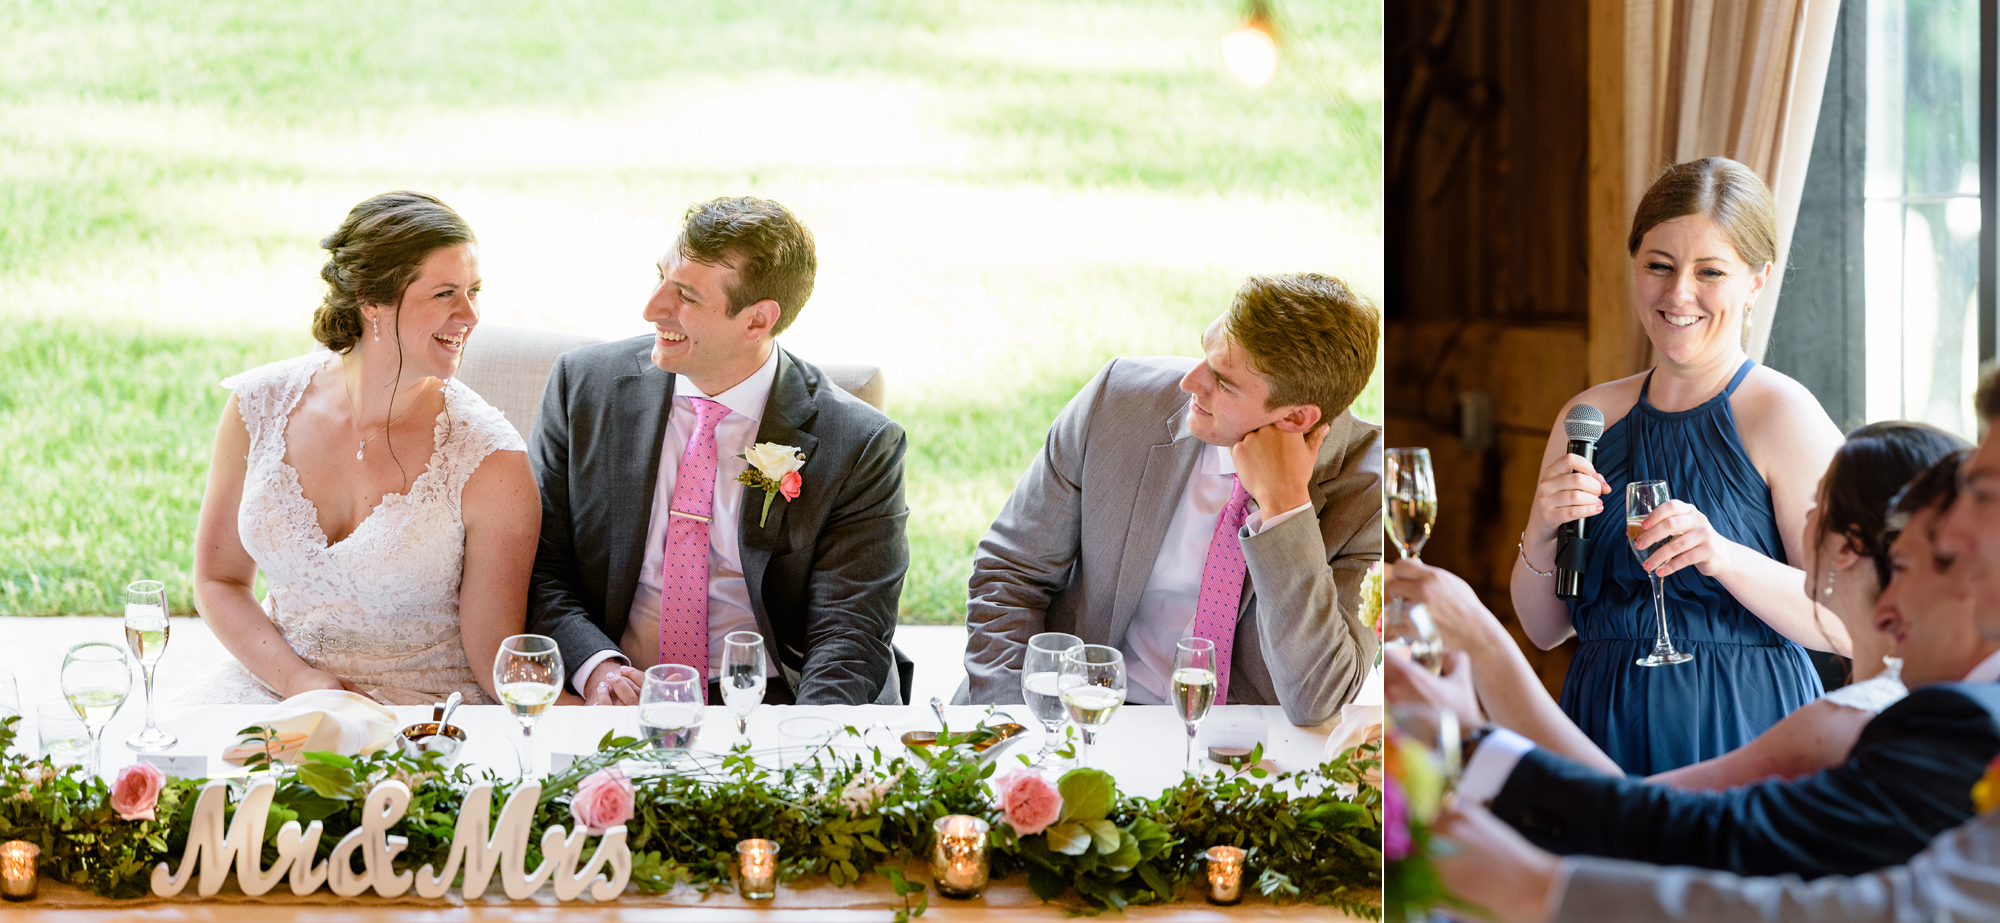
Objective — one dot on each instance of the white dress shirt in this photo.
(1167, 607)
(1502, 750)
(728, 594)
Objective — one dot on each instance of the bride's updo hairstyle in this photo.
(1867, 472)
(1729, 194)
(375, 254)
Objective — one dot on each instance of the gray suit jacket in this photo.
(1957, 879)
(1074, 546)
(825, 572)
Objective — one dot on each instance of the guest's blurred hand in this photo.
(1276, 466)
(1695, 543)
(1405, 683)
(1483, 861)
(1463, 622)
(1570, 489)
(613, 683)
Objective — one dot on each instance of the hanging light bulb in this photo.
(1251, 52)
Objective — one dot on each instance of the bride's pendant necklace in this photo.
(356, 411)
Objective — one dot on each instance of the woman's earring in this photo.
(377, 324)
(1828, 592)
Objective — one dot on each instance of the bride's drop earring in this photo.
(1828, 592)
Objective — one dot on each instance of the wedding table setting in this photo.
(750, 812)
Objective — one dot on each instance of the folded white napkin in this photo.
(332, 720)
(1358, 725)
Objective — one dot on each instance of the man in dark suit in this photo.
(653, 550)
(1908, 778)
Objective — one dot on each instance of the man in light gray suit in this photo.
(658, 541)
(1232, 497)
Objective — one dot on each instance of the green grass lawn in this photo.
(1005, 195)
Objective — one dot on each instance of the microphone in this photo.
(1584, 425)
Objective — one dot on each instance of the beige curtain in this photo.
(1697, 78)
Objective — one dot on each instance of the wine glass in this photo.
(1412, 501)
(670, 707)
(1043, 693)
(146, 629)
(742, 676)
(1641, 499)
(1194, 687)
(95, 679)
(528, 674)
(1093, 686)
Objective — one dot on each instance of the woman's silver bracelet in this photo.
(1523, 548)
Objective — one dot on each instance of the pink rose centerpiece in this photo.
(603, 800)
(136, 792)
(1029, 801)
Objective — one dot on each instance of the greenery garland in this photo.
(836, 814)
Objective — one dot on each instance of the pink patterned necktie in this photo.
(1222, 586)
(684, 559)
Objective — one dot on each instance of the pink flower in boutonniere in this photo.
(774, 469)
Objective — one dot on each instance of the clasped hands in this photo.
(1571, 489)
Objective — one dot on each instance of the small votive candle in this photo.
(759, 860)
(959, 864)
(17, 870)
(1225, 875)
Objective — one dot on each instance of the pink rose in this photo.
(1029, 801)
(790, 485)
(137, 791)
(1395, 822)
(603, 800)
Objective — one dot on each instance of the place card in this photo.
(559, 762)
(178, 765)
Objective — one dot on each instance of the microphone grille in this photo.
(1583, 423)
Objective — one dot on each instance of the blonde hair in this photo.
(1310, 336)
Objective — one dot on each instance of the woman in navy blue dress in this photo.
(1741, 448)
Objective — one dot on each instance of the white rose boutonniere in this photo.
(773, 468)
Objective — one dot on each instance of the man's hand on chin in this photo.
(1276, 466)
(613, 683)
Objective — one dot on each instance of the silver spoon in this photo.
(450, 705)
(937, 705)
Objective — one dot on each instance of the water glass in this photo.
(1043, 694)
(670, 708)
(63, 737)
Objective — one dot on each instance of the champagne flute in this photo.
(146, 629)
(1412, 502)
(528, 674)
(1093, 686)
(1194, 687)
(742, 676)
(95, 679)
(670, 708)
(1641, 499)
(1042, 692)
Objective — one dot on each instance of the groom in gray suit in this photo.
(1232, 497)
(653, 550)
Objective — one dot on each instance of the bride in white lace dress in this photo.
(391, 510)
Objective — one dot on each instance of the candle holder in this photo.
(18, 881)
(959, 864)
(758, 861)
(1225, 875)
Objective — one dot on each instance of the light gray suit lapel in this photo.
(632, 456)
(1161, 484)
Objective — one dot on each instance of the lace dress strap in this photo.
(1873, 695)
(477, 429)
(266, 395)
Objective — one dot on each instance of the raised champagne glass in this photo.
(1641, 499)
(146, 629)
(95, 680)
(1412, 509)
(1043, 693)
(670, 709)
(1194, 688)
(1093, 686)
(742, 676)
(528, 674)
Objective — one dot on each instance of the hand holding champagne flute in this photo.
(1194, 687)
(95, 679)
(1412, 510)
(146, 629)
(1641, 499)
(528, 675)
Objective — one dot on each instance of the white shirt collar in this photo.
(1987, 671)
(1215, 459)
(747, 398)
